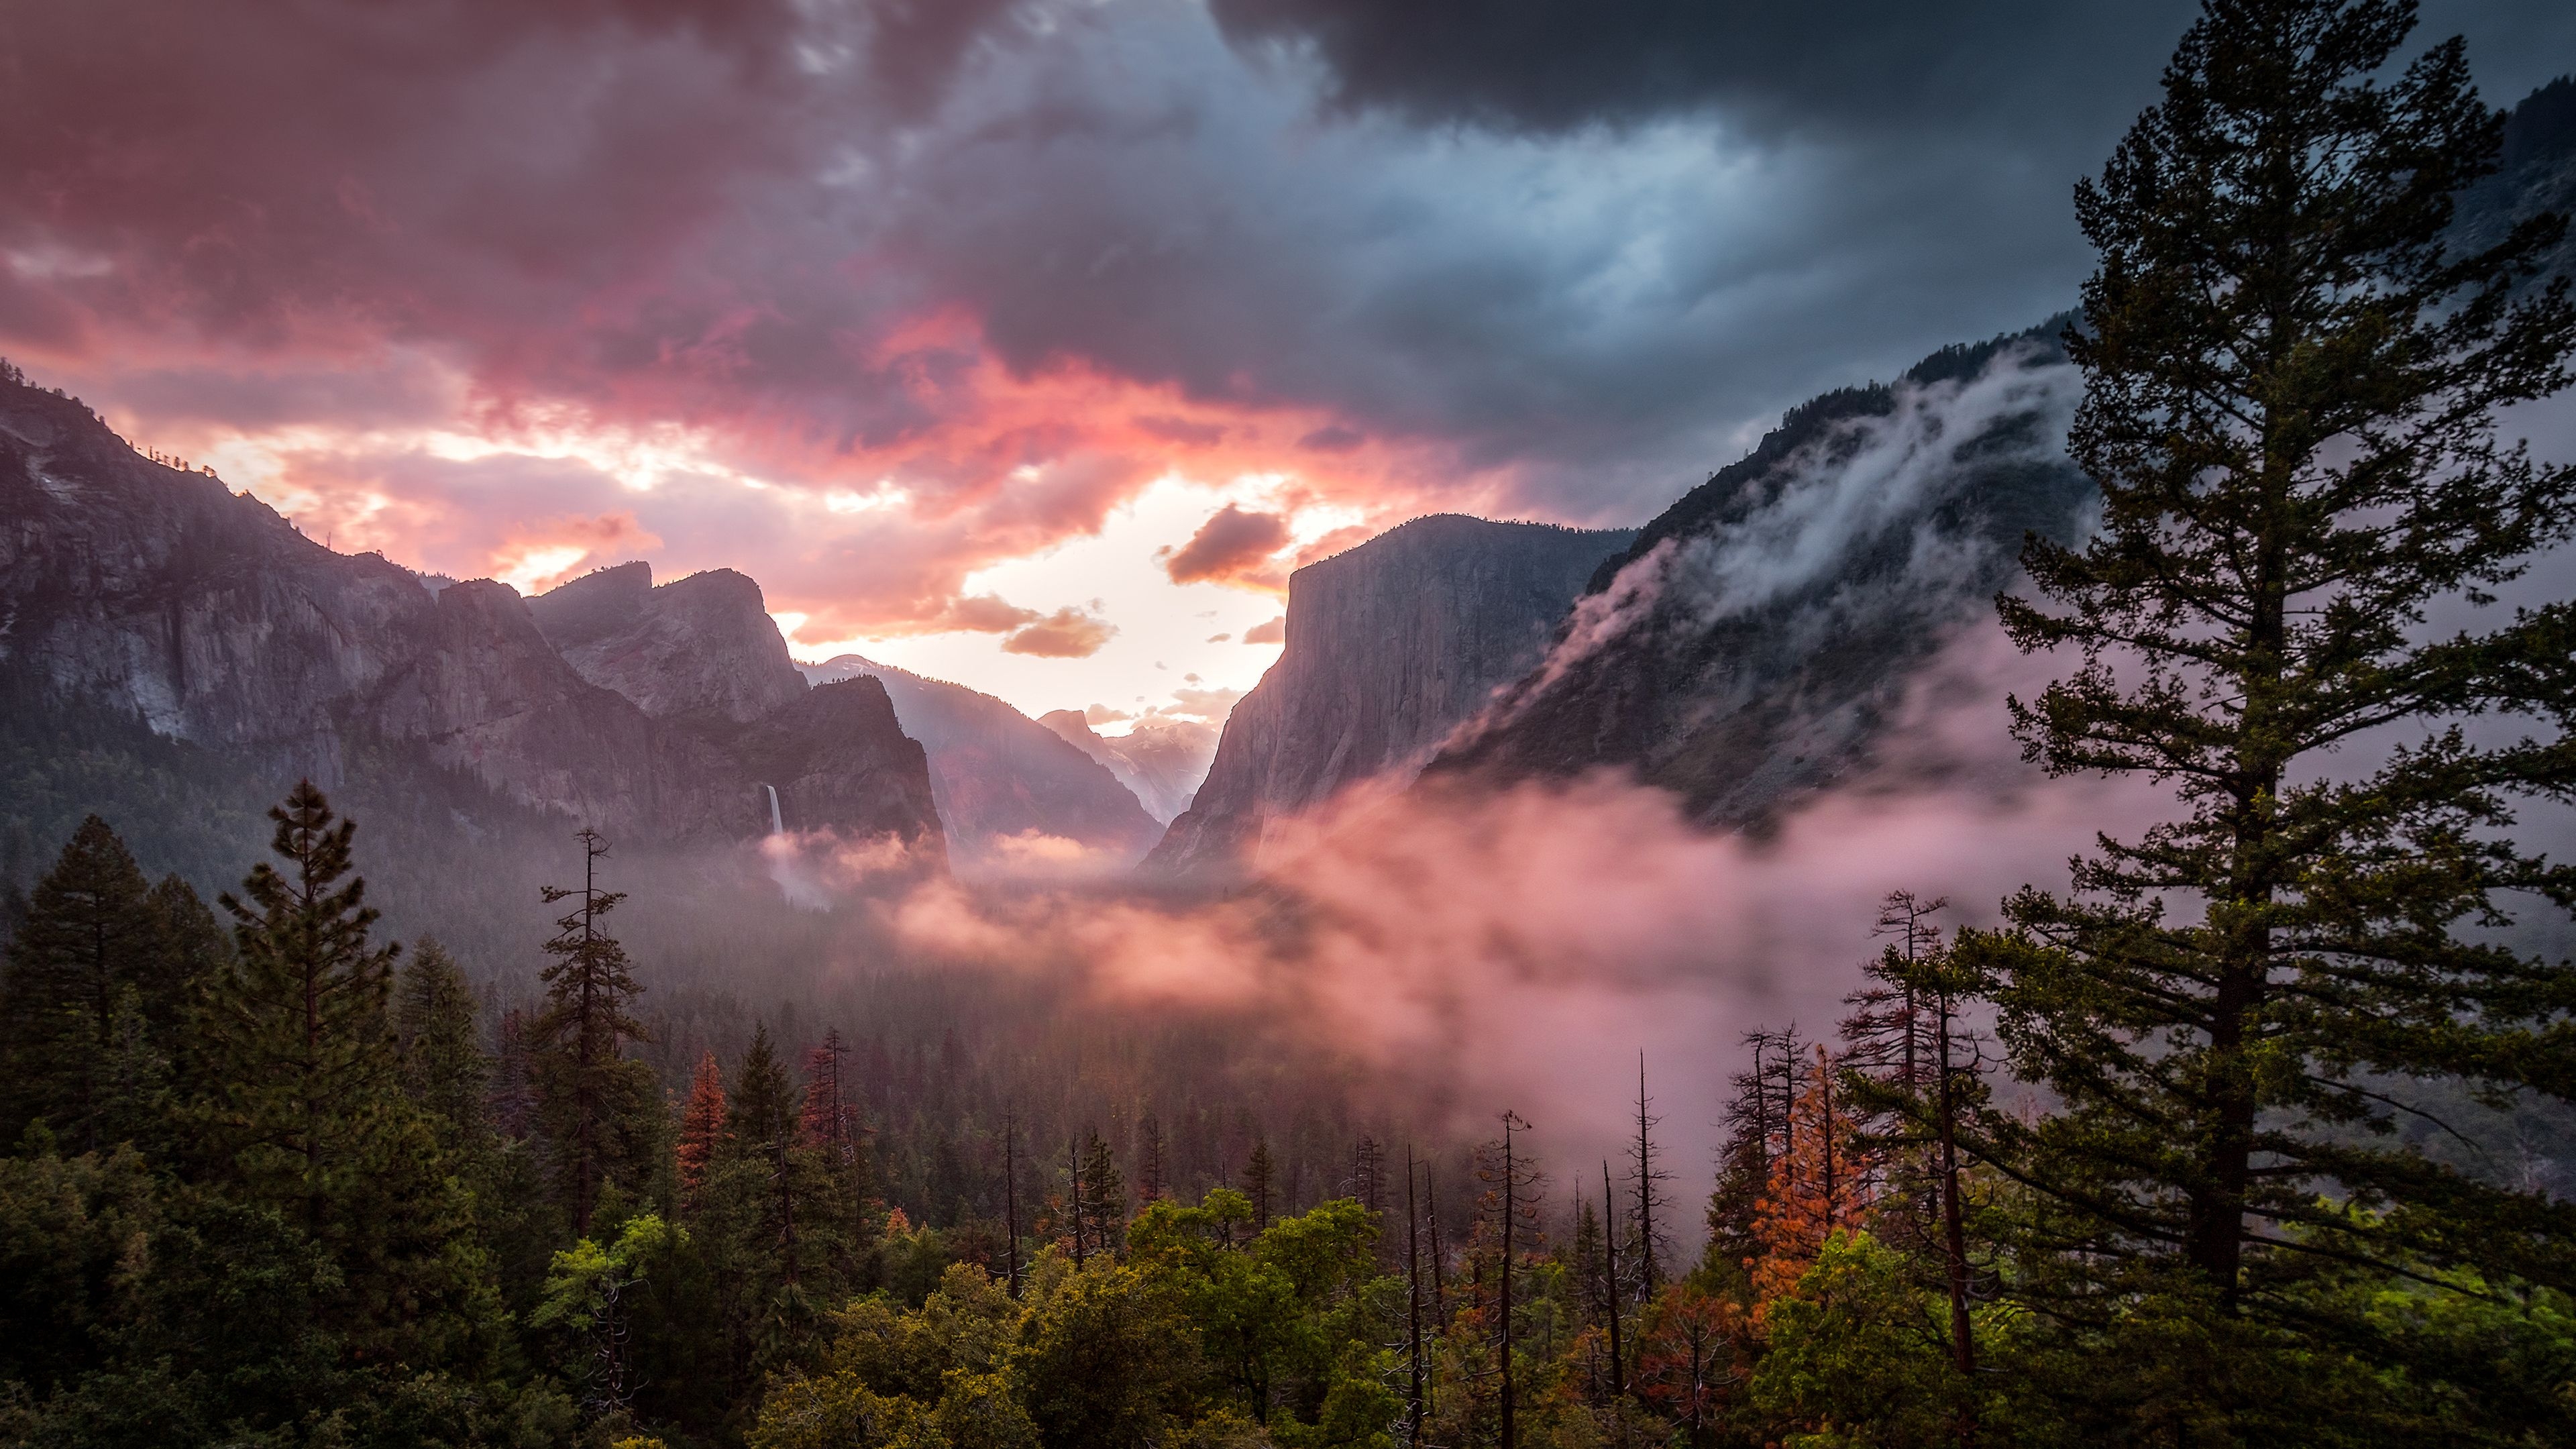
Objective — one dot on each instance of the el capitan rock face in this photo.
(162, 596)
(1391, 645)
(1005, 784)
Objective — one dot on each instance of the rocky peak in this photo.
(1755, 641)
(700, 646)
(1390, 646)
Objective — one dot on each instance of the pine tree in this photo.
(1817, 1190)
(1260, 1175)
(1757, 1140)
(786, 1208)
(702, 1130)
(305, 1112)
(1103, 1201)
(1885, 1035)
(1149, 1158)
(2290, 408)
(301, 1050)
(591, 1098)
(831, 1123)
(97, 945)
(444, 1065)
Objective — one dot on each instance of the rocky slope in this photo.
(159, 596)
(1005, 785)
(1754, 640)
(1160, 761)
(703, 646)
(1390, 646)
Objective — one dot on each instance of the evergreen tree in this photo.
(305, 1117)
(831, 1124)
(1260, 1175)
(1104, 1197)
(702, 1129)
(1150, 1176)
(592, 1100)
(1757, 1140)
(301, 1054)
(444, 1065)
(784, 1208)
(95, 975)
(2290, 408)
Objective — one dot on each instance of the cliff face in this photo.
(1160, 761)
(702, 646)
(1390, 647)
(1000, 778)
(160, 596)
(1756, 638)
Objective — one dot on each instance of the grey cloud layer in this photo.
(1594, 244)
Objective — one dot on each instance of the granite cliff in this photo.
(1391, 645)
(137, 591)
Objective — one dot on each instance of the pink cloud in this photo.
(1064, 634)
(1234, 546)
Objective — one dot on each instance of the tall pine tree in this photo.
(304, 1113)
(96, 982)
(2290, 407)
(301, 1052)
(593, 1102)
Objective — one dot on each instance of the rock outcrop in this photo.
(1754, 641)
(158, 595)
(1391, 646)
(1160, 761)
(1009, 790)
(703, 646)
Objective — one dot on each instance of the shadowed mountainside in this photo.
(1160, 761)
(1005, 784)
(147, 593)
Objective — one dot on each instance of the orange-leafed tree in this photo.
(1691, 1351)
(1825, 1184)
(702, 1128)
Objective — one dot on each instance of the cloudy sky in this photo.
(1031, 343)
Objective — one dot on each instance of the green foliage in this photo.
(98, 981)
(1860, 1355)
(2291, 410)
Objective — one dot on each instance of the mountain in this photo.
(703, 646)
(1754, 640)
(1160, 761)
(1006, 786)
(1391, 645)
(131, 591)
(2535, 173)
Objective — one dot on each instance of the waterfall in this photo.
(775, 828)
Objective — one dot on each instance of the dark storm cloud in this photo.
(1586, 248)
(1841, 67)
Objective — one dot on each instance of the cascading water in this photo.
(776, 827)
